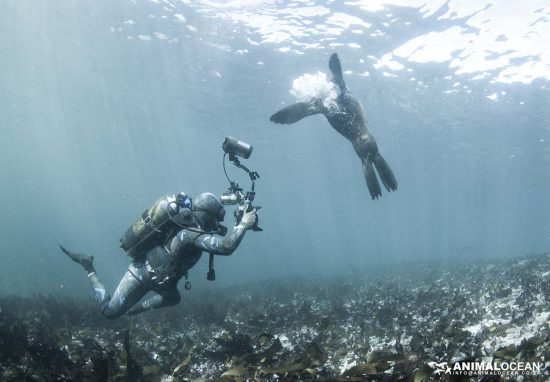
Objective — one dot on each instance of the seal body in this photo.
(348, 118)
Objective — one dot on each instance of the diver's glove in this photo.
(250, 218)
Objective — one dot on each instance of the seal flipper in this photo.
(385, 173)
(336, 69)
(371, 179)
(295, 112)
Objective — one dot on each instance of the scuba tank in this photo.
(157, 224)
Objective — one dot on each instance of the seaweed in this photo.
(386, 327)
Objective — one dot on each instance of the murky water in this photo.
(108, 105)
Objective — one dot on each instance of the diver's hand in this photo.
(250, 218)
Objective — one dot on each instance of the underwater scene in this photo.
(271, 190)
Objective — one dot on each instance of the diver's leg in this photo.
(167, 296)
(129, 291)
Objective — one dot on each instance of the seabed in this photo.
(387, 327)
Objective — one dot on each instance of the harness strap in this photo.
(138, 280)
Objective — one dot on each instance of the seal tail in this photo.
(385, 173)
(295, 112)
(371, 179)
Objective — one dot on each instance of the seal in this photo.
(348, 118)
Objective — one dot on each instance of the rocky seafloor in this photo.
(393, 324)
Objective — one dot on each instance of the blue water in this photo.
(108, 105)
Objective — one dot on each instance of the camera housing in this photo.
(233, 146)
(231, 198)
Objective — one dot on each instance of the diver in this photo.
(160, 268)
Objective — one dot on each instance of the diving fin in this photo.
(371, 179)
(86, 261)
(336, 69)
(385, 173)
(295, 112)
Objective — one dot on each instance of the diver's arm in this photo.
(226, 245)
(223, 246)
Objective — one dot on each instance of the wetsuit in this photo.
(161, 269)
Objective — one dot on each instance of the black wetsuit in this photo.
(161, 269)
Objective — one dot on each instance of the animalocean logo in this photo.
(504, 368)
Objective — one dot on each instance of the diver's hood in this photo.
(209, 223)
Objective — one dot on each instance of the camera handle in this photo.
(250, 195)
(253, 174)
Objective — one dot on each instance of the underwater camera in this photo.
(234, 194)
(234, 147)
